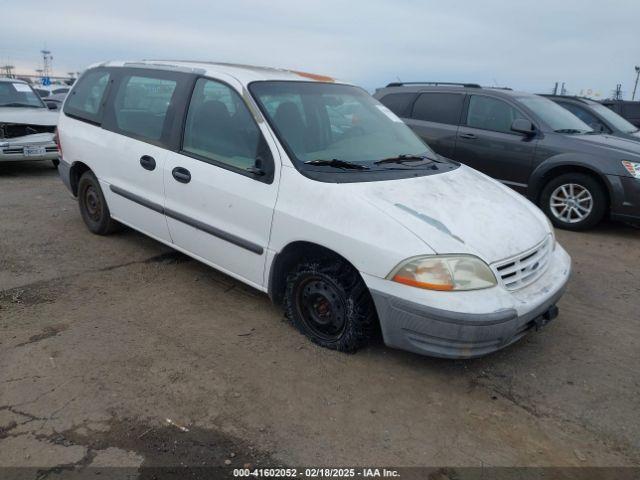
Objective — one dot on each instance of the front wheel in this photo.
(574, 201)
(329, 303)
(93, 206)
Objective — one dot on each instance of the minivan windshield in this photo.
(18, 94)
(613, 118)
(337, 126)
(557, 117)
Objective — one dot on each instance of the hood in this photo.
(461, 211)
(623, 146)
(28, 116)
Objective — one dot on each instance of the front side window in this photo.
(614, 119)
(220, 127)
(491, 114)
(584, 115)
(18, 94)
(86, 96)
(327, 122)
(439, 107)
(399, 103)
(141, 105)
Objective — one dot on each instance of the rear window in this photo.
(141, 105)
(85, 99)
(399, 103)
(439, 107)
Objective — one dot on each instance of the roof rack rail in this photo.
(465, 85)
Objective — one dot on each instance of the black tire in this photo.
(571, 220)
(93, 206)
(329, 303)
(55, 162)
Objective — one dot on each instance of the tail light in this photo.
(56, 138)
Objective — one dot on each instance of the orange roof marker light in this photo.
(314, 76)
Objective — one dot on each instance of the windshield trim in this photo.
(337, 175)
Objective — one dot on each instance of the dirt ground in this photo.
(112, 347)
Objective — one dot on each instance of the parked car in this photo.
(27, 126)
(55, 101)
(598, 117)
(45, 91)
(312, 191)
(626, 109)
(529, 143)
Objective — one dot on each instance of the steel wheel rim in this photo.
(571, 203)
(92, 203)
(321, 308)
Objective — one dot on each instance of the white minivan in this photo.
(312, 191)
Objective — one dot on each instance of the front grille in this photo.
(523, 269)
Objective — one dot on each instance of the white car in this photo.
(27, 126)
(311, 190)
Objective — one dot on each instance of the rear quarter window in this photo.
(439, 107)
(399, 103)
(85, 99)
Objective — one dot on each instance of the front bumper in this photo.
(625, 197)
(13, 149)
(467, 324)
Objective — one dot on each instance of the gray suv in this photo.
(575, 174)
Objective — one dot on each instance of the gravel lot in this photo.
(102, 339)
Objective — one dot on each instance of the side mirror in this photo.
(257, 168)
(523, 126)
(51, 105)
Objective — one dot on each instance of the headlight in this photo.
(632, 167)
(552, 232)
(444, 272)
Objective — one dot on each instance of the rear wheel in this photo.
(93, 206)
(329, 303)
(574, 201)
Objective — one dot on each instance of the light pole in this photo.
(633, 97)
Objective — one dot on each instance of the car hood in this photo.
(28, 116)
(461, 211)
(624, 146)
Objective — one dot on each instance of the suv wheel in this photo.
(330, 304)
(574, 201)
(93, 206)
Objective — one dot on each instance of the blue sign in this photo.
(46, 81)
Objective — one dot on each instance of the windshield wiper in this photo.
(16, 104)
(570, 130)
(337, 163)
(406, 158)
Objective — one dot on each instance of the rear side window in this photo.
(399, 103)
(220, 128)
(86, 97)
(491, 114)
(141, 105)
(439, 107)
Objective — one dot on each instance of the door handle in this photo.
(147, 162)
(469, 136)
(182, 175)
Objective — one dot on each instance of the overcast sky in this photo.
(527, 45)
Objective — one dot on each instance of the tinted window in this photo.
(584, 115)
(86, 97)
(559, 119)
(491, 114)
(141, 105)
(399, 103)
(220, 127)
(632, 109)
(439, 107)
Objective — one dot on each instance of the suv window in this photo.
(584, 115)
(399, 103)
(439, 107)
(141, 105)
(491, 114)
(220, 128)
(86, 96)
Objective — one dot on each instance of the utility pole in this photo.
(47, 58)
(555, 89)
(633, 97)
(8, 70)
(563, 91)
(617, 93)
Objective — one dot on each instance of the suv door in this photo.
(435, 118)
(487, 143)
(138, 122)
(218, 206)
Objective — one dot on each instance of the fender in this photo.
(580, 161)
